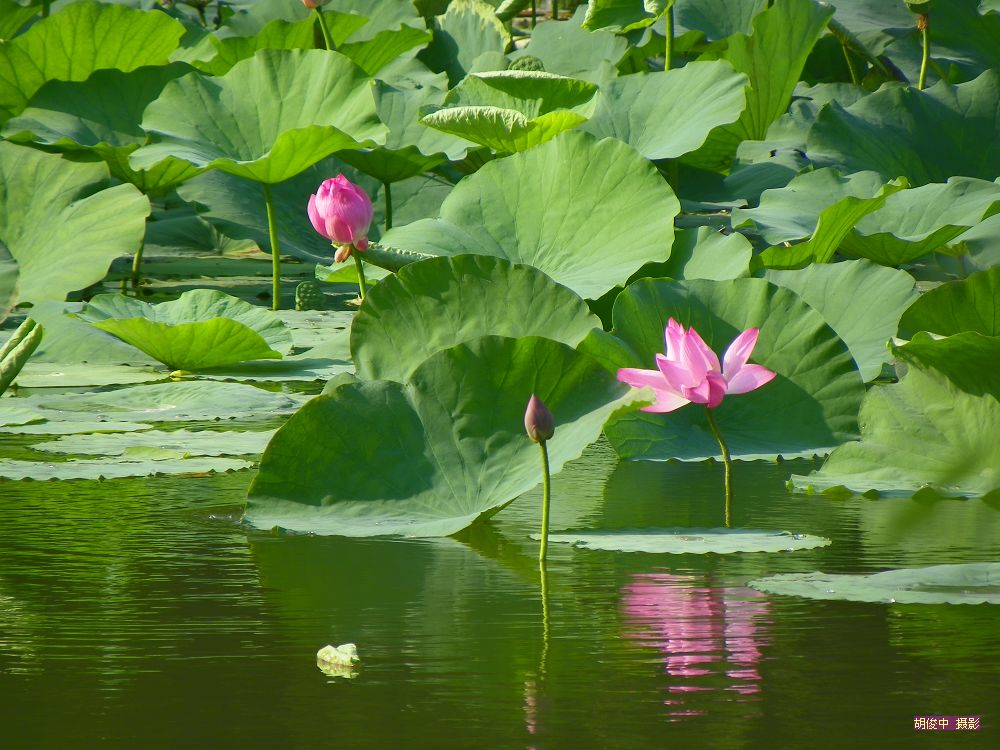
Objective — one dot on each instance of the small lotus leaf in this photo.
(688, 541)
(972, 304)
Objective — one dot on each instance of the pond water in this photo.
(139, 613)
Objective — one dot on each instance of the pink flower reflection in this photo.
(702, 632)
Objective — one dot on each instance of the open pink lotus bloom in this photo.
(689, 372)
(342, 212)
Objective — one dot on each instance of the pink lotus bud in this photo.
(342, 212)
(312, 4)
(538, 422)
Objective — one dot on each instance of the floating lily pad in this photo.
(968, 583)
(83, 375)
(74, 427)
(183, 442)
(106, 469)
(681, 541)
(13, 417)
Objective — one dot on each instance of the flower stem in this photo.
(923, 23)
(546, 496)
(362, 286)
(544, 580)
(272, 234)
(327, 37)
(727, 461)
(850, 65)
(137, 268)
(668, 31)
(387, 192)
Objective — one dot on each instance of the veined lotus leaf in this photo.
(202, 328)
(666, 115)
(190, 442)
(688, 541)
(568, 49)
(388, 46)
(810, 407)
(13, 17)
(965, 583)
(453, 436)
(8, 281)
(356, 20)
(162, 402)
(704, 253)
(83, 374)
(624, 15)
(972, 304)
(773, 58)
(923, 433)
(276, 34)
(834, 290)
(969, 359)
(429, 306)
(305, 104)
(76, 41)
(506, 131)
(51, 210)
(924, 136)
(559, 207)
(137, 466)
(467, 30)
(918, 221)
(717, 19)
(102, 114)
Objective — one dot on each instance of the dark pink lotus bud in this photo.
(342, 212)
(538, 422)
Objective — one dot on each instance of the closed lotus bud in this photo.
(538, 421)
(342, 212)
(311, 4)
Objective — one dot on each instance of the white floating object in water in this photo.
(345, 655)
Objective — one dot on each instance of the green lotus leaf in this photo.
(570, 50)
(140, 465)
(924, 433)
(972, 304)
(624, 15)
(505, 131)
(102, 114)
(276, 34)
(202, 328)
(74, 427)
(453, 436)
(964, 583)
(83, 374)
(810, 407)
(703, 253)
(530, 92)
(924, 136)
(915, 222)
(969, 359)
(76, 41)
(688, 541)
(387, 46)
(834, 290)
(58, 224)
(71, 340)
(8, 281)
(560, 207)
(438, 303)
(13, 17)
(467, 30)
(717, 19)
(665, 115)
(14, 417)
(189, 442)
(303, 106)
(773, 57)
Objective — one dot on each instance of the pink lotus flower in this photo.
(689, 372)
(342, 212)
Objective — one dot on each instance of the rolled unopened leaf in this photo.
(538, 421)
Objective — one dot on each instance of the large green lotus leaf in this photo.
(59, 225)
(506, 131)
(271, 117)
(202, 328)
(277, 34)
(965, 583)
(564, 47)
(588, 213)
(623, 15)
(357, 20)
(717, 19)
(665, 115)
(688, 541)
(438, 303)
(834, 290)
(915, 222)
(190, 442)
(703, 253)
(387, 46)
(83, 374)
(810, 407)
(924, 136)
(8, 281)
(102, 114)
(410, 147)
(924, 432)
(129, 466)
(162, 402)
(530, 92)
(76, 41)
(235, 207)
(453, 436)
(773, 58)
(793, 211)
(71, 340)
(468, 29)
(13, 16)
(74, 427)
(969, 358)
(972, 304)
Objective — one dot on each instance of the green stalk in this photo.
(272, 234)
(362, 286)
(534, 14)
(45, 8)
(387, 191)
(923, 24)
(850, 65)
(327, 36)
(727, 461)
(668, 31)
(546, 496)
(544, 580)
(137, 268)
(555, 10)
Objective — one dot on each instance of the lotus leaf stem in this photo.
(668, 33)
(850, 65)
(923, 24)
(387, 192)
(327, 36)
(362, 286)
(727, 462)
(555, 10)
(546, 496)
(272, 233)
(534, 13)
(137, 268)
